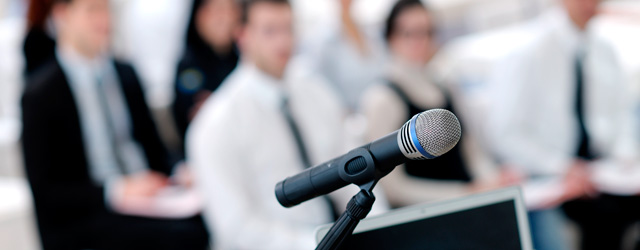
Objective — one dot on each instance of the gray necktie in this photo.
(108, 118)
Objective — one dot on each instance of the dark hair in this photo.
(193, 37)
(39, 11)
(398, 8)
(245, 7)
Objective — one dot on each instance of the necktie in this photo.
(293, 126)
(111, 131)
(302, 149)
(584, 145)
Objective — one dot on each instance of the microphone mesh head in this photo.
(438, 131)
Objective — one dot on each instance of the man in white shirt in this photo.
(564, 121)
(268, 120)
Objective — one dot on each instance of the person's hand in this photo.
(136, 193)
(577, 183)
(145, 184)
(507, 177)
(183, 176)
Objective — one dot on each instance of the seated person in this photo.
(269, 120)
(91, 147)
(209, 57)
(563, 118)
(349, 56)
(408, 91)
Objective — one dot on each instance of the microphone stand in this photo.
(357, 209)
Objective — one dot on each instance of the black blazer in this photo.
(54, 152)
(38, 49)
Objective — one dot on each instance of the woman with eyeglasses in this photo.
(408, 90)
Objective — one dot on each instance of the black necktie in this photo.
(111, 131)
(584, 146)
(302, 149)
(293, 126)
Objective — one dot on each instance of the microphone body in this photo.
(427, 135)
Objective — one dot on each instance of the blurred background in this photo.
(475, 34)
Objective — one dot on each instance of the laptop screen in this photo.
(491, 221)
(491, 227)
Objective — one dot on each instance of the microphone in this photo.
(426, 135)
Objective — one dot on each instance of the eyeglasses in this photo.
(415, 33)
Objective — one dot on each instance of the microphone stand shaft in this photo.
(357, 209)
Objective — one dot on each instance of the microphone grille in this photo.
(438, 131)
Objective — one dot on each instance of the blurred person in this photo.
(563, 120)
(90, 145)
(408, 91)
(270, 119)
(210, 56)
(39, 44)
(350, 58)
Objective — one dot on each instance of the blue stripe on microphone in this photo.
(414, 138)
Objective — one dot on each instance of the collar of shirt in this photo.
(269, 90)
(573, 38)
(75, 63)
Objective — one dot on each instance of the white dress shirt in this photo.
(534, 124)
(240, 146)
(83, 75)
(386, 112)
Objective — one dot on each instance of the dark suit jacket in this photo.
(54, 151)
(38, 49)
